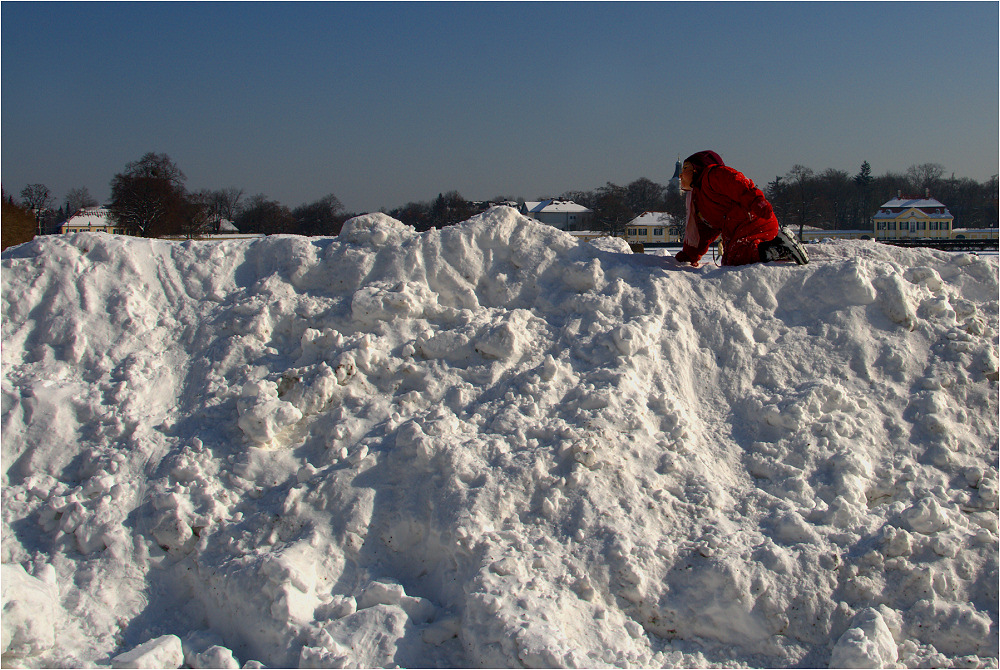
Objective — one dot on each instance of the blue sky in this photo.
(386, 103)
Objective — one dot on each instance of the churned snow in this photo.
(495, 445)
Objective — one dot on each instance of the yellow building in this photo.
(650, 228)
(92, 220)
(902, 218)
(975, 233)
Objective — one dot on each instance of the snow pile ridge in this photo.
(495, 445)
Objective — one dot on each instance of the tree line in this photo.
(831, 200)
(149, 198)
(836, 200)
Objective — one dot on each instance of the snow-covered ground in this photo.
(494, 445)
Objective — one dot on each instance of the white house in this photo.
(562, 214)
(91, 220)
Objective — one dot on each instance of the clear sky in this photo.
(386, 103)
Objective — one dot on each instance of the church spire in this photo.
(675, 181)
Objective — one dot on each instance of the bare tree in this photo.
(611, 210)
(834, 198)
(803, 191)
(416, 214)
(148, 199)
(156, 166)
(262, 215)
(214, 207)
(227, 202)
(322, 217)
(38, 199)
(201, 216)
(924, 176)
(645, 195)
(36, 196)
(77, 199)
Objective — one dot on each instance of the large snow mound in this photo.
(495, 445)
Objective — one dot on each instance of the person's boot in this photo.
(783, 247)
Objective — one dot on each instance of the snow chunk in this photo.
(163, 652)
(215, 656)
(632, 337)
(419, 610)
(29, 608)
(373, 636)
(927, 517)
(375, 229)
(383, 301)
(957, 628)
(855, 284)
(868, 643)
(263, 416)
(894, 298)
(507, 339)
(615, 245)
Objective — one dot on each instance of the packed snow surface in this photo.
(495, 445)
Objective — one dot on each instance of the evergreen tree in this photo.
(864, 176)
(863, 183)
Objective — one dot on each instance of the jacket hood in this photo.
(702, 160)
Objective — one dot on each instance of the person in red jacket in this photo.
(723, 202)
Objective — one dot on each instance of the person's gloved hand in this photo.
(684, 257)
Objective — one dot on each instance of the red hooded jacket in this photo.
(724, 202)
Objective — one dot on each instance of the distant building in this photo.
(226, 227)
(92, 220)
(675, 182)
(562, 214)
(650, 228)
(912, 217)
